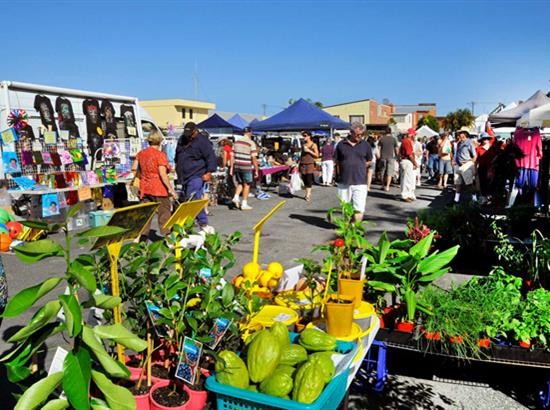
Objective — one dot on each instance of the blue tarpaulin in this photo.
(217, 122)
(300, 116)
(238, 121)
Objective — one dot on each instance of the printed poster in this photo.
(11, 163)
(50, 205)
(8, 136)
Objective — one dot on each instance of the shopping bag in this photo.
(296, 183)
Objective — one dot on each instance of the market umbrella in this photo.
(537, 117)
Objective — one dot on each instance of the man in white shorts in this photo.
(352, 158)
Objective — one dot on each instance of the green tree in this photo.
(458, 119)
(430, 121)
(309, 100)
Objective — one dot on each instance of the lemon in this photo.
(265, 277)
(251, 270)
(238, 281)
(272, 283)
(276, 269)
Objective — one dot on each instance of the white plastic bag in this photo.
(296, 183)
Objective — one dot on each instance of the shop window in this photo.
(190, 113)
(357, 118)
(183, 113)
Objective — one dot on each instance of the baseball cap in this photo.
(189, 128)
(411, 132)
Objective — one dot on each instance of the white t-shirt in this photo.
(417, 148)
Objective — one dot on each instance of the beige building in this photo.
(178, 111)
(368, 112)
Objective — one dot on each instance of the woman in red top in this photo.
(408, 166)
(155, 185)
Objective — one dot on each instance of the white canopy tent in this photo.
(537, 117)
(425, 132)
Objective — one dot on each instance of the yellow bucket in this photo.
(339, 316)
(363, 314)
(270, 314)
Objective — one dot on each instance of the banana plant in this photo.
(404, 269)
(88, 360)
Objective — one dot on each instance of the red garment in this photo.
(406, 150)
(530, 142)
(227, 150)
(485, 156)
(150, 159)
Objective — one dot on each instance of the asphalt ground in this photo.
(291, 234)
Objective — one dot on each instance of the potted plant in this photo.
(346, 251)
(339, 315)
(169, 395)
(87, 363)
(309, 312)
(405, 272)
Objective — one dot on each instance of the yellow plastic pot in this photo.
(339, 316)
(351, 287)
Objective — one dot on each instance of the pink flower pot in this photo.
(155, 406)
(197, 398)
(142, 402)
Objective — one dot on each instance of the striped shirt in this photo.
(243, 150)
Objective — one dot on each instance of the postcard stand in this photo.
(185, 212)
(134, 219)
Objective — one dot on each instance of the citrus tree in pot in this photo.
(88, 368)
(346, 252)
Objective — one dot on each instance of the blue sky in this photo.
(250, 53)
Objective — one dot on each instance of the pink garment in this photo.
(530, 142)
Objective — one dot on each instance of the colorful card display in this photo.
(9, 136)
(218, 331)
(50, 205)
(188, 366)
(11, 163)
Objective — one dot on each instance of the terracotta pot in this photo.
(351, 287)
(197, 398)
(339, 316)
(432, 335)
(405, 327)
(525, 345)
(485, 343)
(155, 406)
(456, 339)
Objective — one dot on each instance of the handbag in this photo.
(135, 183)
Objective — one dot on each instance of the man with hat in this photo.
(408, 166)
(465, 169)
(244, 161)
(195, 161)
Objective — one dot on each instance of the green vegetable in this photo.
(263, 356)
(309, 383)
(325, 363)
(280, 331)
(317, 341)
(293, 354)
(285, 368)
(231, 370)
(278, 384)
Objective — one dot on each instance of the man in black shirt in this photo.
(433, 157)
(352, 158)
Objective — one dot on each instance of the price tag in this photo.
(188, 366)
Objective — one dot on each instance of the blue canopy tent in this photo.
(238, 121)
(300, 116)
(218, 123)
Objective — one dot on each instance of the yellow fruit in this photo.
(238, 281)
(193, 302)
(265, 277)
(251, 270)
(272, 283)
(276, 269)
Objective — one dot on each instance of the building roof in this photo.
(407, 109)
(178, 102)
(347, 103)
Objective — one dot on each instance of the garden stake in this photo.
(149, 355)
(258, 230)
(113, 249)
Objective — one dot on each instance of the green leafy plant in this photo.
(406, 271)
(88, 361)
(533, 323)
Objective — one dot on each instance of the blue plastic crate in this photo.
(233, 398)
(100, 218)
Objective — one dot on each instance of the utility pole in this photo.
(473, 104)
(264, 109)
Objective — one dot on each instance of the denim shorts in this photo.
(445, 167)
(243, 176)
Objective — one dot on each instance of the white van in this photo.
(17, 95)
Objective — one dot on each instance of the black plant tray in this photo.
(512, 355)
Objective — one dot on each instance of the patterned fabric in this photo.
(3, 286)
